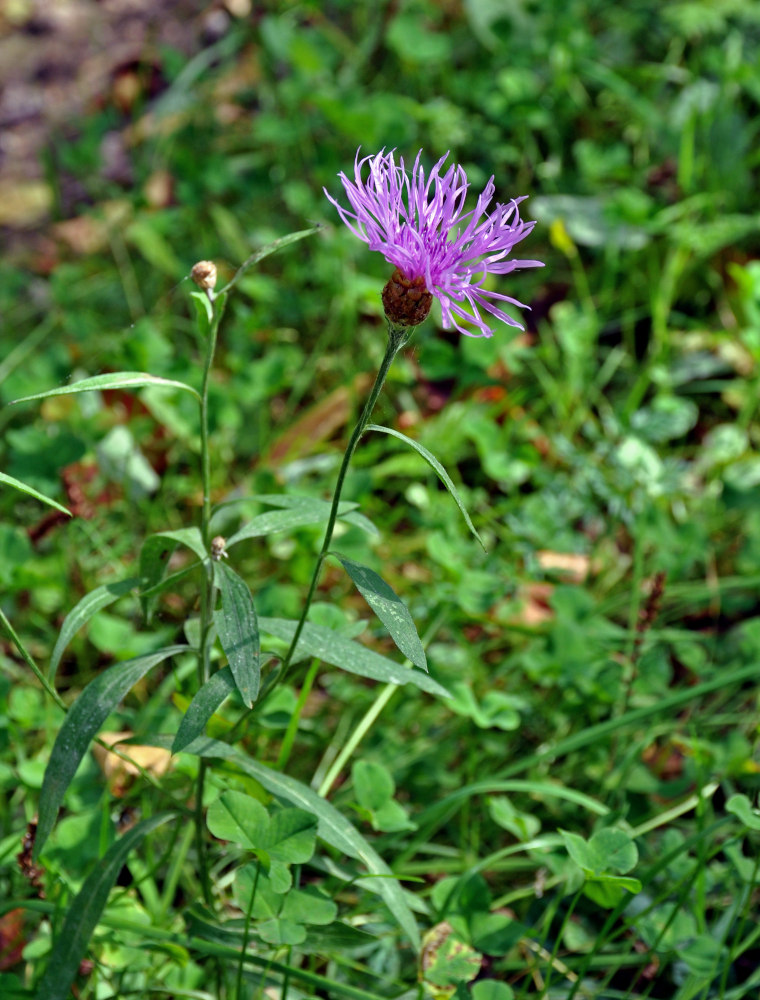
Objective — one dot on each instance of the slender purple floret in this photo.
(419, 225)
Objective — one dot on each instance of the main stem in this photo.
(397, 337)
(217, 311)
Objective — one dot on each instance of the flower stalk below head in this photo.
(398, 336)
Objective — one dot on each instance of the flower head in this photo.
(419, 225)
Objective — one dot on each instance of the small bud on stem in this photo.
(218, 548)
(204, 275)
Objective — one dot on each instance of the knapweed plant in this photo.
(270, 877)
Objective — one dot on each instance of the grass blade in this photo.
(82, 722)
(84, 912)
(25, 488)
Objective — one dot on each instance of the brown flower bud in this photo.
(218, 548)
(406, 300)
(204, 274)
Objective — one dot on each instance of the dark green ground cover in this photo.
(609, 695)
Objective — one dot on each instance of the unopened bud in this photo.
(218, 548)
(406, 300)
(204, 275)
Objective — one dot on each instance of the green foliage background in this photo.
(620, 431)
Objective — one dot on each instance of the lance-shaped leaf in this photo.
(25, 488)
(436, 466)
(347, 511)
(205, 702)
(111, 380)
(82, 722)
(238, 632)
(82, 612)
(312, 512)
(333, 828)
(389, 608)
(155, 554)
(84, 913)
(327, 645)
(265, 251)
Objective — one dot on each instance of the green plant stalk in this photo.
(217, 311)
(397, 337)
(370, 717)
(27, 657)
(364, 726)
(290, 732)
(175, 871)
(246, 932)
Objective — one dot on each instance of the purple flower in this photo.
(420, 226)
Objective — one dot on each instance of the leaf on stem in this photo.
(111, 380)
(84, 913)
(238, 631)
(155, 554)
(436, 466)
(327, 645)
(25, 488)
(347, 511)
(83, 720)
(270, 248)
(389, 608)
(202, 707)
(82, 612)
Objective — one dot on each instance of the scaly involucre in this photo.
(419, 225)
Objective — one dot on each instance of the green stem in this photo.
(290, 732)
(246, 932)
(397, 337)
(27, 657)
(369, 719)
(356, 737)
(204, 670)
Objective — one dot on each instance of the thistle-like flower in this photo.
(419, 225)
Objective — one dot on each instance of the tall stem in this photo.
(217, 311)
(397, 337)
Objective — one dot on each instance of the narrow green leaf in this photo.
(82, 722)
(82, 612)
(155, 554)
(25, 488)
(436, 466)
(389, 608)
(268, 523)
(347, 511)
(111, 380)
(84, 913)
(202, 707)
(333, 828)
(265, 251)
(327, 645)
(238, 632)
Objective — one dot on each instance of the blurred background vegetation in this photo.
(610, 454)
